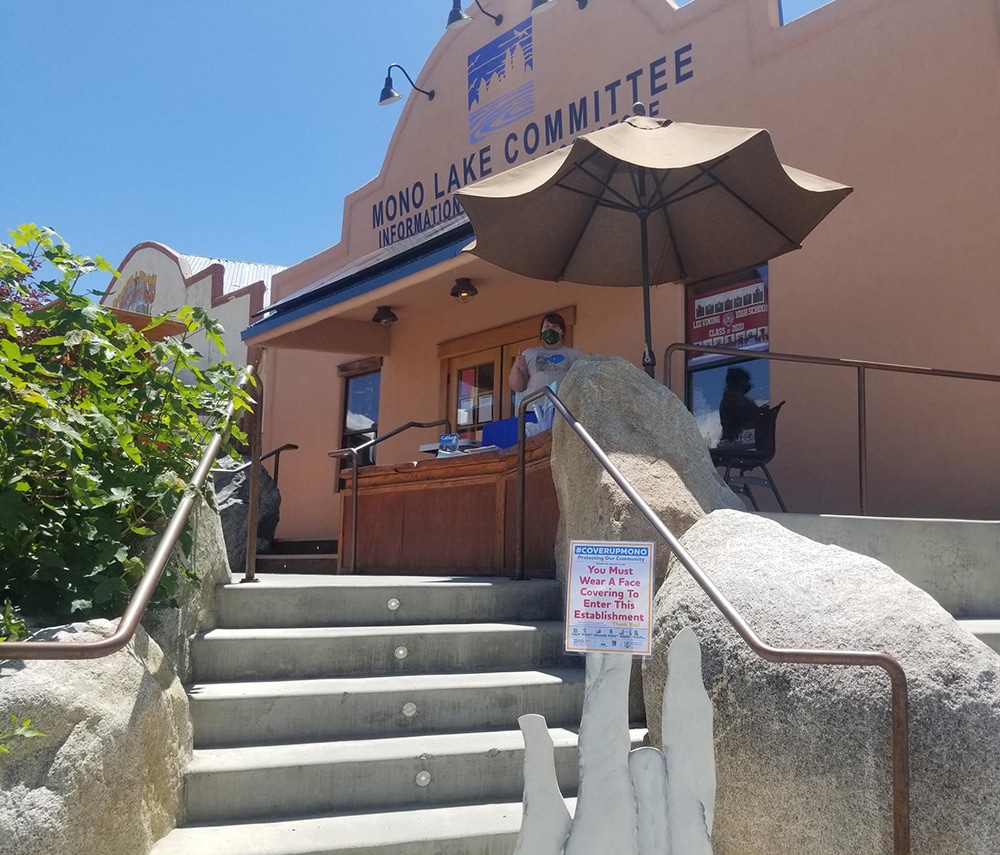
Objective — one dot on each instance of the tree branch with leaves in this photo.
(100, 428)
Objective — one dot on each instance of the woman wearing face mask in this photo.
(546, 365)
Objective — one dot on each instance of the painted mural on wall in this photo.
(501, 87)
(138, 294)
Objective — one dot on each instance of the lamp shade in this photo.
(464, 290)
(456, 17)
(388, 93)
(385, 316)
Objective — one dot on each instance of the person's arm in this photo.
(518, 379)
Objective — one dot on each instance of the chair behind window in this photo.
(745, 460)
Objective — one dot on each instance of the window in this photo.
(478, 393)
(730, 312)
(705, 388)
(361, 398)
(792, 10)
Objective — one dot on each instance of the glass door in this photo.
(476, 399)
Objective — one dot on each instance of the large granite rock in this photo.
(232, 493)
(107, 775)
(654, 441)
(804, 751)
(651, 437)
(172, 628)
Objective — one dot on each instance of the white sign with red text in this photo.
(610, 597)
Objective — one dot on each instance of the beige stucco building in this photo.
(900, 100)
(154, 279)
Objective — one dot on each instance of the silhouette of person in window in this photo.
(737, 412)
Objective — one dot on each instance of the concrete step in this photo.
(268, 712)
(228, 784)
(279, 600)
(474, 829)
(303, 563)
(282, 546)
(987, 631)
(270, 654)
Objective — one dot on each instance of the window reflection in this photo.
(705, 387)
(361, 414)
(475, 396)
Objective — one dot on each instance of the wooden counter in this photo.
(454, 515)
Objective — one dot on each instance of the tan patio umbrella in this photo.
(644, 202)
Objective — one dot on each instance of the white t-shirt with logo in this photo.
(548, 366)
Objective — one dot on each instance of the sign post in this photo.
(610, 597)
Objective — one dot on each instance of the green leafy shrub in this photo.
(100, 428)
(12, 625)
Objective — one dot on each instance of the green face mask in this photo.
(550, 336)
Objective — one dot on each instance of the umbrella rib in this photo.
(656, 194)
(674, 195)
(625, 204)
(597, 201)
(673, 242)
(721, 184)
(674, 199)
(706, 172)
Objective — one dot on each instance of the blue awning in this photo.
(368, 273)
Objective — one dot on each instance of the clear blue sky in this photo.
(230, 128)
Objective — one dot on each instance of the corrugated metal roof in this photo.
(237, 274)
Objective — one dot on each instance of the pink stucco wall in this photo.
(900, 100)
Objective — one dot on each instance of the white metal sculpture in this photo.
(639, 802)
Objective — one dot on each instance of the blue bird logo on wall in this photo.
(501, 84)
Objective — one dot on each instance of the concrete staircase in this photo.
(373, 714)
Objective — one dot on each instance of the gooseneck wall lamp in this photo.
(389, 94)
(464, 290)
(458, 18)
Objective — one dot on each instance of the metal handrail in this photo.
(18, 650)
(858, 658)
(274, 452)
(353, 453)
(860, 365)
(255, 436)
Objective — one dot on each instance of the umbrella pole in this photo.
(648, 360)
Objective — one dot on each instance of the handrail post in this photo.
(519, 563)
(354, 511)
(276, 454)
(253, 493)
(900, 764)
(862, 441)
